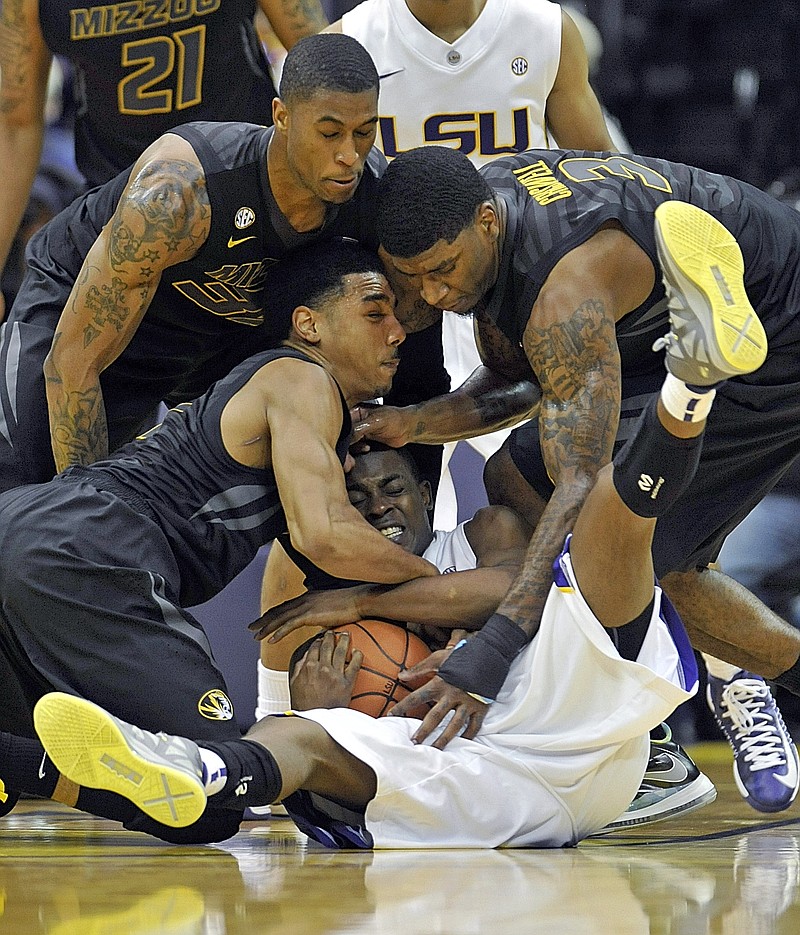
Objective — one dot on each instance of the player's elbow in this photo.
(62, 366)
(320, 545)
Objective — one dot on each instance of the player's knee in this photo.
(505, 486)
(214, 825)
(498, 477)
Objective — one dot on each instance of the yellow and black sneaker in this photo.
(161, 774)
(715, 332)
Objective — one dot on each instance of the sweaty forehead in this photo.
(340, 106)
(368, 286)
(377, 467)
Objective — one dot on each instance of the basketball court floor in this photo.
(724, 870)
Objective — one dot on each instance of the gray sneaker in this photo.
(159, 773)
(672, 786)
(714, 330)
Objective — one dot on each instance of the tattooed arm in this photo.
(570, 342)
(162, 218)
(24, 66)
(293, 19)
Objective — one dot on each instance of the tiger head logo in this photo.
(216, 706)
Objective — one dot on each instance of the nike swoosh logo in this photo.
(235, 243)
(41, 767)
(390, 73)
(790, 779)
(677, 773)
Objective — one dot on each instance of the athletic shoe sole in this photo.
(702, 262)
(694, 795)
(88, 746)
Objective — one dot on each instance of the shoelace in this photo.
(757, 731)
(670, 339)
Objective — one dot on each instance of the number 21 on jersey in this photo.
(168, 72)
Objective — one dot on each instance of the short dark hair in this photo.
(327, 62)
(310, 276)
(427, 194)
(404, 453)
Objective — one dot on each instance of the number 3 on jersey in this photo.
(593, 168)
(170, 76)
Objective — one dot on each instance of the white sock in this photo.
(215, 772)
(273, 692)
(719, 669)
(686, 404)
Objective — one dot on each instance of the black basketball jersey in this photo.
(215, 512)
(556, 200)
(144, 66)
(212, 311)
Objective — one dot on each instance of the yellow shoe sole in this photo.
(702, 261)
(87, 746)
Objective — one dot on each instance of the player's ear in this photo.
(304, 322)
(487, 218)
(427, 494)
(280, 115)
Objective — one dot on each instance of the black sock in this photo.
(654, 467)
(631, 636)
(253, 775)
(25, 766)
(790, 679)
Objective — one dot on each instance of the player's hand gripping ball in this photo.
(387, 649)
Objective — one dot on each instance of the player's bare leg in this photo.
(171, 778)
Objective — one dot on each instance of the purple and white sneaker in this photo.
(765, 764)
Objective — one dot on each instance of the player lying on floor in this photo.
(564, 742)
(386, 488)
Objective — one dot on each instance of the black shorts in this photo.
(26, 453)
(751, 439)
(89, 608)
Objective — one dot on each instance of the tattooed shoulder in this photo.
(164, 217)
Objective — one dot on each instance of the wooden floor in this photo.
(724, 869)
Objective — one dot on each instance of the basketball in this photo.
(387, 649)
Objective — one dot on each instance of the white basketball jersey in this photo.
(451, 551)
(484, 94)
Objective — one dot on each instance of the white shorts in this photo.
(560, 754)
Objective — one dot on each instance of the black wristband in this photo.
(479, 666)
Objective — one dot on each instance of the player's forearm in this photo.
(78, 429)
(291, 20)
(20, 150)
(354, 551)
(465, 599)
(483, 403)
(526, 597)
